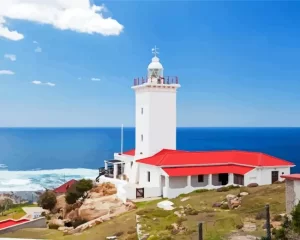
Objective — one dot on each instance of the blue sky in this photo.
(237, 63)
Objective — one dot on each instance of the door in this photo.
(139, 192)
(275, 175)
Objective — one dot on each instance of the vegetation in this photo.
(78, 190)
(47, 200)
(218, 223)
(15, 211)
(290, 230)
(5, 204)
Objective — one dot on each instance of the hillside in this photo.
(198, 206)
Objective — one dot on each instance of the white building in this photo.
(292, 191)
(155, 168)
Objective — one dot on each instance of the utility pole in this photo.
(268, 224)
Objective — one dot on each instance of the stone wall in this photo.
(36, 223)
(290, 195)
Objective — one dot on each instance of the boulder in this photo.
(60, 203)
(217, 204)
(73, 214)
(94, 208)
(166, 205)
(230, 196)
(104, 189)
(57, 222)
(244, 194)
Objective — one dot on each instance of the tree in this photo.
(78, 190)
(47, 200)
(5, 204)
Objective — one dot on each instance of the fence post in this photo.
(200, 230)
(268, 224)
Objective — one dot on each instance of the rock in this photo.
(65, 228)
(94, 208)
(244, 194)
(57, 222)
(234, 203)
(217, 204)
(230, 196)
(166, 205)
(130, 205)
(184, 199)
(249, 227)
(73, 214)
(276, 224)
(104, 189)
(177, 213)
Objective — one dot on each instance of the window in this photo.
(142, 137)
(131, 164)
(148, 176)
(142, 111)
(200, 178)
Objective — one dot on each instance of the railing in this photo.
(160, 80)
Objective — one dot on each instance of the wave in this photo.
(36, 180)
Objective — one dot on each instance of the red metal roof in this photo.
(186, 171)
(130, 152)
(63, 188)
(181, 158)
(295, 176)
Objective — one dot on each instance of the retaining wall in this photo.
(36, 223)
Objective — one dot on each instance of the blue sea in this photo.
(38, 158)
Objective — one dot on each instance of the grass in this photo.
(16, 212)
(217, 222)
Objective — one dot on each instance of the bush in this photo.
(224, 206)
(47, 200)
(53, 226)
(200, 190)
(78, 190)
(277, 218)
(252, 185)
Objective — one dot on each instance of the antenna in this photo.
(122, 139)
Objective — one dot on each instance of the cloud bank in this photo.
(76, 15)
(96, 79)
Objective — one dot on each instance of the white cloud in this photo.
(37, 82)
(6, 72)
(75, 15)
(35, 42)
(41, 83)
(50, 84)
(96, 79)
(38, 50)
(11, 57)
(7, 33)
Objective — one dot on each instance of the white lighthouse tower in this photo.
(155, 110)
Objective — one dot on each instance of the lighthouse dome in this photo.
(155, 64)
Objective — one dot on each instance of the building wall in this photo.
(263, 176)
(155, 175)
(195, 183)
(177, 182)
(159, 115)
(36, 223)
(290, 196)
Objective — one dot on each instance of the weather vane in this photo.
(155, 51)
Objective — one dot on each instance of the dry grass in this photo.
(217, 222)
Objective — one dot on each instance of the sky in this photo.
(72, 63)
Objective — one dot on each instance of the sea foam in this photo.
(36, 180)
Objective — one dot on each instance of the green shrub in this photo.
(78, 190)
(47, 200)
(224, 206)
(200, 190)
(53, 226)
(277, 218)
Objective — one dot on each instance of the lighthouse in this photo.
(155, 110)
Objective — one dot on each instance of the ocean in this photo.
(32, 159)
